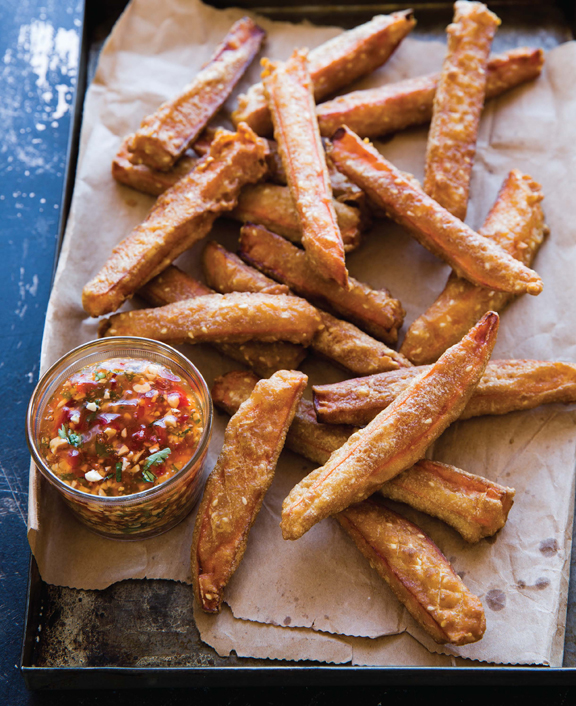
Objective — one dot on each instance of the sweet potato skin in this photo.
(516, 224)
(506, 386)
(181, 216)
(236, 487)
(165, 135)
(417, 572)
(396, 438)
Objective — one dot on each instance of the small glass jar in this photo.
(151, 511)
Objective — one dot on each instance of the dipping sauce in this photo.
(120, 426)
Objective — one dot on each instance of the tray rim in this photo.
(294, 674)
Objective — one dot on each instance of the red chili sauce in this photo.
(120, 427)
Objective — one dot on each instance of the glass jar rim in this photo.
(133, 342)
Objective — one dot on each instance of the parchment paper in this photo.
(317, 598)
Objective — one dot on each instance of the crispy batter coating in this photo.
(173, 285)
(181, 216)
(338, 341)
(458, 104)
(506, 386)
(225, 272)
(417, 572)
(288, 90)
(374, 112)
(474, 257)
(143, 178)
(236, 487)
(164, 136)
(228, 318)
(272, 206)
(372, 310)
(335, 64)
(474, 506)
(343, 189)
(396, 438)
(306, 435)
(516, 224)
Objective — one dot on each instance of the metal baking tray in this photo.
(142, 633)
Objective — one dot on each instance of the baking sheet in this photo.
(152, 52)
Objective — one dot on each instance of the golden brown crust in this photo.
(516, 224)
(458, 104)
(506, 386)
(228, 318)
(417, 572)
(335, 64)
(306, 436)
(347, 346)
(396, 438)
(474, 257)
(164, 136)
(476, 507)
(374, 311)
(273, 207)
(396, 106)
(173, 285)
(226, 273)
(288, 90)
(143, 178)
(338, 341)
(236, 487)
(181, 216)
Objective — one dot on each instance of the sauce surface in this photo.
(120, 426)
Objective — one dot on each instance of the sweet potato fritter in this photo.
(164, 136)
(181, 216)
(472, 256)
(458, 104)
(506, 386)
(516, 224)
(396, 438)
(236, 487)
(417, 572)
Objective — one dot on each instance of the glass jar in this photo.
(151, 511)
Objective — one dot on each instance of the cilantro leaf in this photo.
(119, 471)
(71, 437)
(148, 475)
(157, 458)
